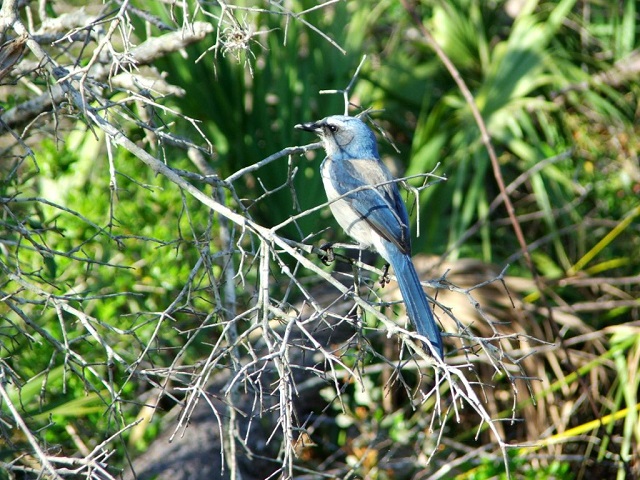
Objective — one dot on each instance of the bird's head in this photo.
(344, 137)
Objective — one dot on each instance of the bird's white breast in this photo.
(347, 218)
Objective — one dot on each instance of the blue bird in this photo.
(366, 202)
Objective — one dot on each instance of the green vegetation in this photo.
(122, 294)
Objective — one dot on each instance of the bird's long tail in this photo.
(414, 297)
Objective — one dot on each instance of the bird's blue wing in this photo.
(381, 207)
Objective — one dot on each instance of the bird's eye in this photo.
(333, 128)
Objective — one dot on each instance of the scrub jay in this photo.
(366, 203)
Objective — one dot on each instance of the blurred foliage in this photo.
(250, 96)
(552, 81)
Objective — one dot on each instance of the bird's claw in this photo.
(385, 279)
(329, 257)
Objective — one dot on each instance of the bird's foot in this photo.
(329, 256)
(385, 279)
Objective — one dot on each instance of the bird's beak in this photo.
(315, 127)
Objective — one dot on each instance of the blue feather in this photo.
(418, 308)
(366, 202)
